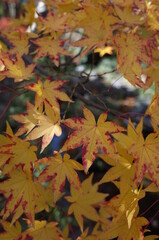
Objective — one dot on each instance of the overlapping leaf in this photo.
(28, 120)
(59, 169)
(49, 92)
(83, 201)
(48, 126)
(16, 68)
(54, 48)
(20, 191)
(123, 168)
(10, 232)
(131, 50)
(43, 231)
(121, 230)
(145, 152)
(91, 136)
(16, 152)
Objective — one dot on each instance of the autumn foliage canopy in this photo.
(33, 184)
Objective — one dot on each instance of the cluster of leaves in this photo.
(130, 29)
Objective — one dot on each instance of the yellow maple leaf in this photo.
(152, 73)
(45, 199)
(59, 169)
(103, 51)
(3, 47)
(63, 7)
(145, 152)
(20, 41)
(54, 48)
(123, 168)
(94, 17)
(48, 126)
(29, 13)
(16, 152)
(131, 50)
(91, 135)
(20, 191)
(153, 15)
(128, 205)
(153, 112)
(128, 16)
(53, 22)
(27, 120)
(11, 232)
(82, 202)
(121, 230)
(49, 92)
(43, 231)
(16, 68)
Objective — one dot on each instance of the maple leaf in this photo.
(58, 169)
(103, 51)
(91, 136)
(145, 152)
(29, 17)
(2, 68)
(11, 232)
(123, 211)
(152, 73)
(20, 192)
(128, 16)
(121, 230)
(83, 201)
(60, 22)
(131, 50)
(128, 204)
(43, 231)
(63, 7)
(20, 41)
(45, 199)
(123, 168)
(28, 119)
(95, 18)
(54, 48)
(152, 18)
(153, 112)
(48, 126)
(16, 68)
(49, 92)
(15, 152)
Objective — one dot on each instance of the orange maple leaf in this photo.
(91, 136)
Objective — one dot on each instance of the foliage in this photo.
(35, 185)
